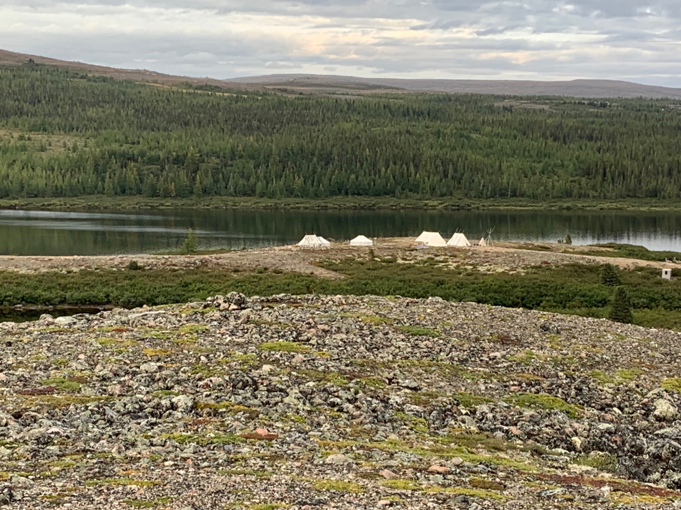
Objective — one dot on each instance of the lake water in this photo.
(108, 232)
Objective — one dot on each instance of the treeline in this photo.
(64, 135)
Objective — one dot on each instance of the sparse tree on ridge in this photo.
(621, 307)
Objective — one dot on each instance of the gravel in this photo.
(337, 402)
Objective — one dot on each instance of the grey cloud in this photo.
(173, 53)
(439, 25)
(433, 11)
(629, 8)
(494, 31)
(635, 38)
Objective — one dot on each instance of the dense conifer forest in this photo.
(64, 135)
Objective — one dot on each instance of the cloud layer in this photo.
(637, 40)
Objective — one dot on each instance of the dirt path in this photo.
(285, 259)
(506, 257)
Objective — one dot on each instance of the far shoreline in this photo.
(97, 202)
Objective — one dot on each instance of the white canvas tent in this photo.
(361, 241)
(314, 242)
(458, 240)
(433, 239)
(482, 242)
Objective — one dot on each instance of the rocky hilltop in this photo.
(337, 402)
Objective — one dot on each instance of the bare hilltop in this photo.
(574, 88)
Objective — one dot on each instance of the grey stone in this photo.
(65, 321)
(664, 410)
(337, 458)
(150, 368)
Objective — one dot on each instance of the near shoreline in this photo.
(93, 202)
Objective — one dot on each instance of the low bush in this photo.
(574, 289)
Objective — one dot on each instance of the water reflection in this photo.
(107, 232)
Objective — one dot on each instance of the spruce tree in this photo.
(621, 307)
(610, 275)
(189, 244)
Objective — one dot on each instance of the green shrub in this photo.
(610, 275)
(631, 251)
(573, 288)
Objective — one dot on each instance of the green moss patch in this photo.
(672, 384)
(204, 439)
(604, 462)
(337, 486)
(285, 347)
(67, 385)
(546, 402)
(469, 400)
(334, 378)
(246, 472)
(121, 481)
(192, 329)
(142, 503)
(402, 485)
(473, 493)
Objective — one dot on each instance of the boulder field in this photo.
(337, 402)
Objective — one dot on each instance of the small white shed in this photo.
(667, 274)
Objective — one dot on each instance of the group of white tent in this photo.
(314, 242)
(361, 241)
(319, 243)
(435, 240)
(429, 239)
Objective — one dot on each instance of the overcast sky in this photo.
(638, 40)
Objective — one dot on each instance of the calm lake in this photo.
(108, 232)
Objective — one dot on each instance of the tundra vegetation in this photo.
(577, 289)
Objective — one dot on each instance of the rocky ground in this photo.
(337, 402)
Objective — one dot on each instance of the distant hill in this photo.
(8, 58)
(575, 88)
(325, 84)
